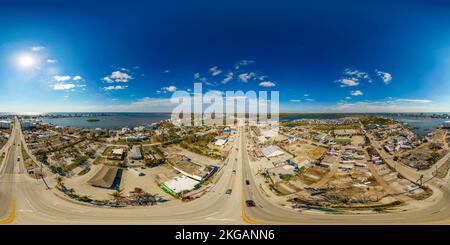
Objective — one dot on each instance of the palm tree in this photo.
(117, 195)
(59, 181)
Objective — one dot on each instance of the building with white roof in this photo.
(271, 151)
(5, 124)
(221, 142)
(136, 152)
(181, 184)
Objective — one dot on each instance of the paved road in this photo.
(434, 210)
(36, 205)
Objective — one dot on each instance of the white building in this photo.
(136, 152)
(446, 124)
(180, 184)
(28, 124)
(5, 124)
(271, 151)
(221, 142)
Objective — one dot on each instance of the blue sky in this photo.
(326, 56)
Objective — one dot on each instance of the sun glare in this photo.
(26, 61)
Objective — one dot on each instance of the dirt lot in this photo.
(303, 151)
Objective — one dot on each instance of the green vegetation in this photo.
(76, 162)
(286, 177)
(169, 191)
(435, 155)
(375, 120)
(29, 163)
(334, 127)
(84, 171)
(199, 144)
(117, 196)
(343, 140)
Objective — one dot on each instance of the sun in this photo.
(26, 61)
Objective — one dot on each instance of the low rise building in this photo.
(271, 151)
(136, 152)
(179, 184)
(4, 124)
(116, 154)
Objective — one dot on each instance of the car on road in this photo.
(18, 159)
(250, 203)
(228, 192)
(234, 171)
(247, 182)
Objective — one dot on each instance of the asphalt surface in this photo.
(35, 204)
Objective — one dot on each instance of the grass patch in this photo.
(84, 171)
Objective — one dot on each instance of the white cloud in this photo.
(37, 48)
(124, 69)
(107, 79)
(77, 78)
(386, 77)
(348, 98)
(166, 71)
(420, 101)
(306, 95)
(117, 87)
(202, 79)
(295, 101)
(118, 77)
(348, 82)
(63, 86)
(356, 73)
(61, 78)
(310, 100)
(170, 88)
(353, 77)
(267, 84)
(389, 105)
(228, 77)
(245, 77)
(241, 63)
(215, 71)
(51, 61)
(356, 93)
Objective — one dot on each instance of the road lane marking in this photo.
(12, 215)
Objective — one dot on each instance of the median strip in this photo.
(12, 215)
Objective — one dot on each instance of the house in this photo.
(136, 152)
(291, 139)
(116, 154)
(277, 173)
(346, 166)
(125, 130)
(324, 164)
